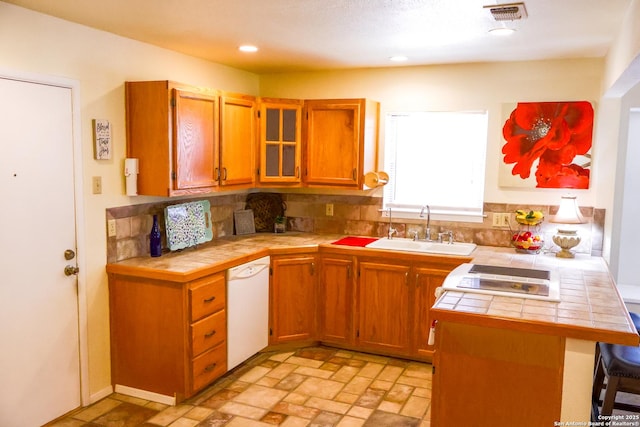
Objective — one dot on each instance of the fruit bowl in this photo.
(529, 218)
(527, 242)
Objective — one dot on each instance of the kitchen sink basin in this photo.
(398, 244)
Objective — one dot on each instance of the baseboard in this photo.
(146, 395)
(99, 395)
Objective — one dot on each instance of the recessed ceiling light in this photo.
(248, 48)
(501, 31)
(398, 58)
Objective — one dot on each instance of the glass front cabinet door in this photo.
(280, 141)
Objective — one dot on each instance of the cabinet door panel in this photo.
(237, 141)
(209, 366)
(280, 140)
(427, 280)
(208, 332)
(195, 140)
(333, 144)
(336, 300)
(384, 306)
(206, 296)
(293, 299)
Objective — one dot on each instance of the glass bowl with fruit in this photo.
(527, 242)
(528, 239)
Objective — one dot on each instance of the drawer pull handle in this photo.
(209, 299)
(210, 334)
(210, 367)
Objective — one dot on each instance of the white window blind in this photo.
(436, 159)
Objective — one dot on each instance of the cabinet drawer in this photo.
(208, 332)
(209, 366)
(207, 297)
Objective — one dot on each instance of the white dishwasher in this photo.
(247, 310)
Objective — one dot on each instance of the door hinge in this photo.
(173, 175)
(433, 370)
(270, 271)
(270, 331)
(258, 113)
(173, 102)
(258, 172)
(358, 333)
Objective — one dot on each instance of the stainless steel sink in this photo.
(409, 245)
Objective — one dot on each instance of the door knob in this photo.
(69, 254)
(70, 270)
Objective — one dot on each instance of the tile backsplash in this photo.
(352, 215)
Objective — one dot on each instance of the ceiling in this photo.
(301, 35)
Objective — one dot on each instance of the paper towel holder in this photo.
(376, 179)
(131, 176)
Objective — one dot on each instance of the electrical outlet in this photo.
(329, 209)
(111, 228)
(500, 220)
(505, 220)
(497, 219)
(96, 184)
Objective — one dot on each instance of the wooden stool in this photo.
(620, 364)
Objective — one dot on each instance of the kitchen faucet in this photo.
(392, 230)
(446, 233)
(427, 235)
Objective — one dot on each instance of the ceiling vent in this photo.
(507, 11)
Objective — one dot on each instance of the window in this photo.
(436, 159)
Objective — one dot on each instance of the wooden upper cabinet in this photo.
(172, 129)
(280, 141)
(341, 139)
(195, 140)
(237, 140)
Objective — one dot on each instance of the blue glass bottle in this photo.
(155, 239)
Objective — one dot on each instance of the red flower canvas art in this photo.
(552, 141)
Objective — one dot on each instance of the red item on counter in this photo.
(355, 241)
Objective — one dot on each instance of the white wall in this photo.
(628, 271)
(101, 62)
(460, 87)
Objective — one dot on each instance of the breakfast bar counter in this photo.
(526, 362)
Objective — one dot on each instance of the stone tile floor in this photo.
(315, 386)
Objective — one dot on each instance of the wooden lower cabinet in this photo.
(337, 300)
(167, 337)
(427, 279)
(293, 294)
(498, 377)
(384, 310)
(379, 304)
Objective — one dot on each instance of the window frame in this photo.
(469, 213)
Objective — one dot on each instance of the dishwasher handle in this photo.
(246, 271)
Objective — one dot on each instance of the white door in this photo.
(39, 355)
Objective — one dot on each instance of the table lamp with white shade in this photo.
(567, 235)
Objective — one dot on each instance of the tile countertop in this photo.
(590, 308)
(217, 255)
